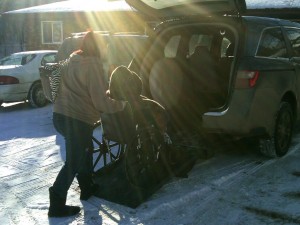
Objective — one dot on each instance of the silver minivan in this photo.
(217, 71)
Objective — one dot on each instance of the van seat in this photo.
(165, 82)
(205, 79)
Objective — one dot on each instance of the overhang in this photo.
(76, 6)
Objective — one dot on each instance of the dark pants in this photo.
(79, 157)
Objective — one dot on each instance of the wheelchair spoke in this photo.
(105, 151)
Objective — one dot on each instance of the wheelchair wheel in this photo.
(105, 151)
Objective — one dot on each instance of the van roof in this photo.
(270, 21)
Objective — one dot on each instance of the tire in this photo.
(278, 145)
(36, 96)
(105, 152)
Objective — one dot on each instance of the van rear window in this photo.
(294, 37)
(272, 44)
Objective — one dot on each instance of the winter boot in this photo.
(88, 192)
(58, 207)
(87, 187)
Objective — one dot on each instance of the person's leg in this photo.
(85, 172)
(70, 129)
(58, 207)
(79, 158)
(73, 131)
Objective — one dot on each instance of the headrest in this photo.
(200, 50)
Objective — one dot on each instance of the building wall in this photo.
(22, 32)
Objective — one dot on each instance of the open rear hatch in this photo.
(177, 8)
(189, 62)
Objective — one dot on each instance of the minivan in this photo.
(218, 71)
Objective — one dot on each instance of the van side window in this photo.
(224, 51)
(294, 37)
(272, 44)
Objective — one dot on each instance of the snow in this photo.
(234, 186)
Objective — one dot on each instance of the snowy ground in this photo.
(235, 186)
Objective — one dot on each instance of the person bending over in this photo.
(80, 101)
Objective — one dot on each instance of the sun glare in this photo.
(116, 16)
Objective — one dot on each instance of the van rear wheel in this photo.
(279, 143)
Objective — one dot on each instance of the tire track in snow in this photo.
(222, 186)
(22, 147)
(233, 185)
(210, 186)
(23, 157)
(27, 176)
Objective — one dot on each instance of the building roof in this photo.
(121, 5)
(284, 9)
(268, 4)
(76, 6)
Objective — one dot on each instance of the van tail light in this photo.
(8, 80)
(246, 79)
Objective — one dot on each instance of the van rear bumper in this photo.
(215, 124)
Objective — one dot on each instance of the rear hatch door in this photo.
(166, 9)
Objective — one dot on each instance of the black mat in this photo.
(115, 187)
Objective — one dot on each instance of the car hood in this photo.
(177, 8)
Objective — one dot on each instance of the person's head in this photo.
(125, 84)
(89, 46)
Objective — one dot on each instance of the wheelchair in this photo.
(142, 152)
(147, 158)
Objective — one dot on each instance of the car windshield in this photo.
(17, 59)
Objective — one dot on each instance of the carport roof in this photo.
(121, 5)
(76, 6)
(268, 4)
(284, 9)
